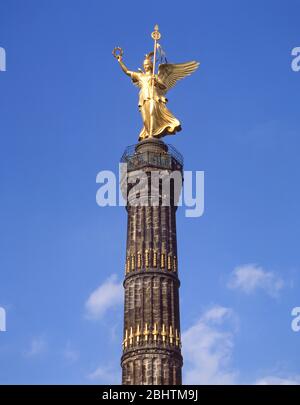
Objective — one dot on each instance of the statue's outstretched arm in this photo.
(123, 66)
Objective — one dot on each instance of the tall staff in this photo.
(156, 37)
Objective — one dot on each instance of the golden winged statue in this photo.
(157, 118)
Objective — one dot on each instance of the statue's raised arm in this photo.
(118, 54)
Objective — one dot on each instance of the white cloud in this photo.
(208, 347)
(38, 345)
(250, 277)
(275, 380)
(107, 295)
(2, 320)
(105, 375)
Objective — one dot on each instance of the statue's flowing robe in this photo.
(158, 120)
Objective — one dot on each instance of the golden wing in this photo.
(169, 73)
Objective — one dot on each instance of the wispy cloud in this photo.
(38, 345)
(108, 295)
(2, 320)
(275, 380)
(208, 347)
(105, 375)
(70, 354)
(251, 277)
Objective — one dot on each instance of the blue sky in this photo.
(67, 112)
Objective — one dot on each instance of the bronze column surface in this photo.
(151, 342)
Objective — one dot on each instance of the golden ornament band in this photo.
(149, 259)
(135, 336)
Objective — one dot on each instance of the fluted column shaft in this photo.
(151, 342)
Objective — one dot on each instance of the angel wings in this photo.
(170, 73)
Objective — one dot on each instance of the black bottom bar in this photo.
(134, 394)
